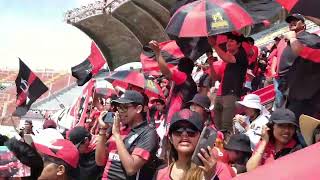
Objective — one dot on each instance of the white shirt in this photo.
(254, 133)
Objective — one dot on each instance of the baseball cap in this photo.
(78, 134)
(189, 116)
(251, 101)
(239, 142)
(49, 124)
(130, 96)
(61, 149)
(283, 116)
(201, 100)
(296, 17)
(28, 122)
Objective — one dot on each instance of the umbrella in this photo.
(126, 78)
(104, 88)
(170, 51)
(304, 7)
(302, 164)
(208, 17)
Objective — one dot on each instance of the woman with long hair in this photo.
(184, 133)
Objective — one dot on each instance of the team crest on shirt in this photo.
(132, 138)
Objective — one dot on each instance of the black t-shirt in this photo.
(234, 74)
(88, 167)
(142, 141)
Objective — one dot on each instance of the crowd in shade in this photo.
(182, 119)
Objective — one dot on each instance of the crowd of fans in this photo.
(134, 137)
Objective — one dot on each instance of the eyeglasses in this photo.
(124, 108)
(190, 132)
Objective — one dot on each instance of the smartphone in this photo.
(207, 138)
(108, 118)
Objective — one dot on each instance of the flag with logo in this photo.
(84, 71)
(29, 89)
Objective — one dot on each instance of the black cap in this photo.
(239, 142)
(283, 116)
(295, 17)
(189, 116)
(201, 100)
(78, 134)
(130, 97)
(28, 121)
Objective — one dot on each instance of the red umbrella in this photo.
(126, 78)
(303, 164)
(170, 52)
(304, 7)
(208, 17)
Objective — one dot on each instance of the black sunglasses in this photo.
(190, 131)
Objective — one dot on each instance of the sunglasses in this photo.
(124, 108)
(190, 132)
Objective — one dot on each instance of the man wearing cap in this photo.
(201, 105)
(298, 72)
(132, 156)
(60, 159)
(88, 168)
(232, 80)
(278, 139)
(235, 153)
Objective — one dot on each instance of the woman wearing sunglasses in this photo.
(184, 133)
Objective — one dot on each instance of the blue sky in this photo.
(35, 31)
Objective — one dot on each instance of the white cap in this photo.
(251, 101)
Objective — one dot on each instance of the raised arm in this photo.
(225, 56)
(154, 45)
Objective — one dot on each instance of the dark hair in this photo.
(186, 65)
(3, 139)
(250, 40)
(27, 155)
(238, 38)
(315, 132)
(270, 125)
(71, 172)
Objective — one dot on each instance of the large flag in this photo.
(84, 71)
(168, 49)
(29, 89)
(80, 107)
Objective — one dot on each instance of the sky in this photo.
(35, 31)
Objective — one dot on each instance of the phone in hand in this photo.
(108, 118)
(207, 138)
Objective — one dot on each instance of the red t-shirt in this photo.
(176, 100)
(269, 154)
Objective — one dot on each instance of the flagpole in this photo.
(60, 103)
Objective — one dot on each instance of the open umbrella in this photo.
(304, 7)
(302, 164)
(125, 79)
(208, 17)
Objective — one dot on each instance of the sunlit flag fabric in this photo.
(80, 107)
(169, 50)
(84, 71)
(304, 7)
(29, 89)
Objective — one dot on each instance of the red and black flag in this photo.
(29, 89)
(208, 17)
(169, 50)
(84, 71)
(304, 7)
